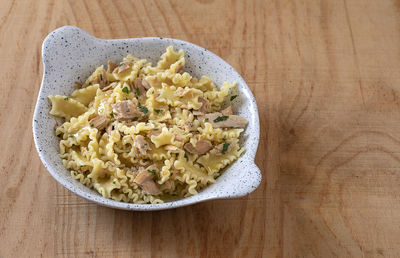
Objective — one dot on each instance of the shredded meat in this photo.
(202, 146)
(227, 111)
(205, 106)
(121, 68)
(139, 85)
(169, 185)
(155, 132)
(220, 147)
(78, 85)
(218, 120)
(179, 137)
(145, 180)
(126, 110)
(145, 84)
(111, 66)
(141, 145)
(99, 122)
(110, 86)
(170, 147)
(109, 129)
(101, 79)
(179, 68)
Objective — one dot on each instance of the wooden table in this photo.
(326, 75)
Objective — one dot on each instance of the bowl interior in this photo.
(70, 54)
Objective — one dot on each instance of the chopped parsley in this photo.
(143, 108)
(74, 173)
(158, 111)
(70, 136)
(206, 119)
(137, 91)
(239, 149)
(220, 118)
(120, 64)
(92, 125)
(135, 118)
(233, 97)
(152, 171)
(225, 147)
(66, 98)
(90, 83)
(114, 182)
(125, 90)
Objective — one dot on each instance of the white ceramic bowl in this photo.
(70, 54)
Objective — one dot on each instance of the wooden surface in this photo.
(326, 75)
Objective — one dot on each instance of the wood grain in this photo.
(326, 77)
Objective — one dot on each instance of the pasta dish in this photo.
(147, 134)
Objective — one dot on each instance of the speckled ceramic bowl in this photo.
(71, 54)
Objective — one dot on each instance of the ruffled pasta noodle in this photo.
(169, 136)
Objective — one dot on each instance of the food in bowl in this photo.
(147, 134)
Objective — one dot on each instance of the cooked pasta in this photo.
(147, 134)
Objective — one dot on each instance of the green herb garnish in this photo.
(90, 83)
(206, 119)
(143, 108)
(158, 111)
(225, 147)
(74, 173)
(114, 182)
(70, 136)
(66, 98)
(152, 171)
(135, 118)
(137, 91)
(233, 97)
(220, 118)
(125, 90)
(239, 149)
(92, 125)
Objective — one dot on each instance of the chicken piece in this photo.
(223, 148)
(227, 111)
(99, 122)
(145, 180)
(155, 132)
(109, 129)
(141, 145)
(78, 85)
(219, 120)
(145, 84)
(180, 68)
(110, 86)
(139, 86)
(202, 147)
(206, 104)
(121, 68)
(179, 137)
(168, 185)
(170, 147)
(101, 80)
(111, 66)
(126, 110)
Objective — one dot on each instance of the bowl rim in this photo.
(99, 199)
